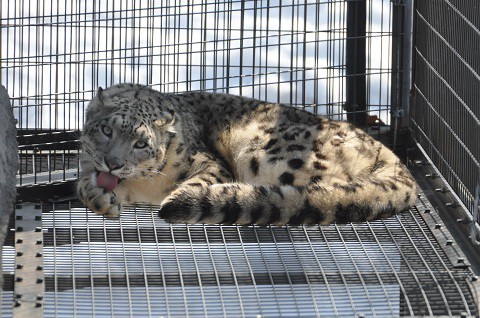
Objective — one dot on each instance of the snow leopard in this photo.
(216, 158)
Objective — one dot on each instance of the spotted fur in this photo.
(218, 158)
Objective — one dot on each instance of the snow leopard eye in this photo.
(107, 131)
(140, 144)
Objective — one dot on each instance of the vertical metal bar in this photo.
(237, 287)
(90, 261)
(393, 270)
(197, 272)
(267, 49)
(330, 57)
(38, 68)
(204, 46)
(188, 59)
(72, 253)
(402, 48)
(57, 71)
(229, 48)
(215, 271)
(14, 79)
(337, 264)
(135, 41)
(216, 18)
(304, 55)
(125, 263)
(151, 38)
(294, 300)
(252, 275)
(242, 35)
(396, 96)
(316, 55)
(125, 41)
(291, 69)
(355, 63)
(305, 272)
(410, 269)
(26, 41)
(34, 166)
(111, 38)
(160, 262)
(357, 271)
(269, 272)
(177, 51)
(390, 47)
(180, 272)
(473, 222)
(95, 41)
(168, 47)
(262, 74)
(142, 259)
(368, 57)
(372, 264)
(107, 259)
(255, 48)
(84, 80)
(342, 62)
(49, 164)
(279, 53)
(407, 49)
(322, 272)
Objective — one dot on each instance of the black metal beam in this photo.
(47, 139)
(46, 192)
(356, 101)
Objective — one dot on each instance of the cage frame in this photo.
(401, 100)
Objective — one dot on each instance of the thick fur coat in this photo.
(218, 158)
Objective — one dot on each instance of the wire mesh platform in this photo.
(141, 266)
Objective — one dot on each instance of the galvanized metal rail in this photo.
(29, 279)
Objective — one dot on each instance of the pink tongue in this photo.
(107, 181)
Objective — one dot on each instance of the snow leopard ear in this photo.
(96, 107)
(100, 94)
(104, 99)
(166, 117)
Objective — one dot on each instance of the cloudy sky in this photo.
(55, 55)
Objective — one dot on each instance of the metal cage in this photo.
(349, 60)
(446, 91)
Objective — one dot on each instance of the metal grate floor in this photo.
(140, 266)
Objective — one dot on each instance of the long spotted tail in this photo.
(381, 194)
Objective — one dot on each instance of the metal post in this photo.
(356, 63)
(473, 222)
(402, 45)
(407, 48)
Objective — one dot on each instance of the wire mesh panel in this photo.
(446, 113)
(140, 266)
(55, 54)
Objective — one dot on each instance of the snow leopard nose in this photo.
(112, 165)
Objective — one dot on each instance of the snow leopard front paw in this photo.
(99, 200)
(104, 203)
